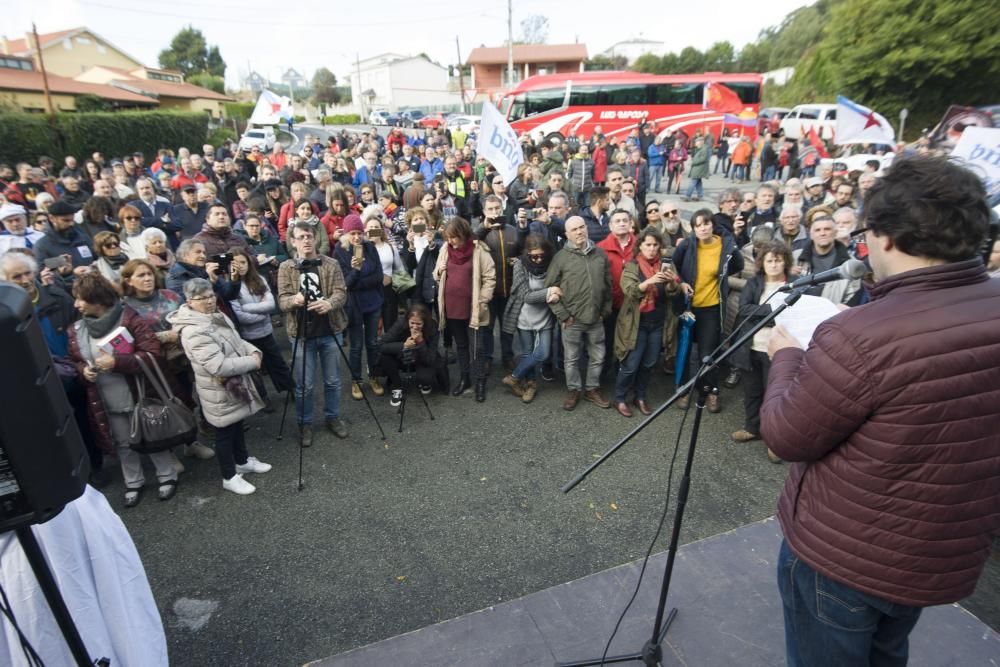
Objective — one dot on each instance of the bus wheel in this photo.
(555, 137)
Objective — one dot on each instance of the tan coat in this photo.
(332, 286)
(484, 280)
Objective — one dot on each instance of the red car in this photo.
(769, 119)
(431, 121)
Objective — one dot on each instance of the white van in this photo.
(258, 137)
(823, 117)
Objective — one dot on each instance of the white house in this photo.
(394, 82)
(633, 48)
(779, 77)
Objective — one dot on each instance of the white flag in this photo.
(857, 124)
(271, 109)
(979, 147)
(498, 143)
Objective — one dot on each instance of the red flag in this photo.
(817, 144)
(720, 98)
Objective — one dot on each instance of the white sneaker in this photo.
(425, 389)
(198, 450)
(252, 465)
(238, 485)
(396, 398)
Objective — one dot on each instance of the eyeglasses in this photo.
(673, 212)
(652, 210)
(131, 217)
(112, 245)
(202, 298)
(536, 257)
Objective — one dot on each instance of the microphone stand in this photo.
(651, 654)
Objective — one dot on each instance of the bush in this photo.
(238, 110)
(25, 136)
(299, 119)
(217, 136)
(342, 119)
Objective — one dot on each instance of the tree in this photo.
(189, 54)
(210, 81)
(720, 57)
(648, 63)
(534, 30)
(602, 63)
(754, 57)
(324, 83)
(690, 61)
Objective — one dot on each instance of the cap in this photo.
(271, 184)
(190, 187)
(62, 208)
(9, 210)
(352, 223)
(815, 180)
(137, 154)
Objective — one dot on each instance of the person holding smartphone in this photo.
(359, 262)
(647, 284)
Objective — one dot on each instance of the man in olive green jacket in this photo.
(579, 279)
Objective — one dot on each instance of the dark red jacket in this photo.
(893, 414)
(618, 257)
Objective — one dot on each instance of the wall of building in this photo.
(212, 107)
(77, 54)
(418, 83)
(30, 101)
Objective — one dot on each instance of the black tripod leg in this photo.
(51, 591)
(402, 411)
(424, 399)
(284, 411)
(363, 394)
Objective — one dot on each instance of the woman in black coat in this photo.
(411, 344)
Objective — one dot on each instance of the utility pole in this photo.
(45, 76)
(361, 97)
(461, 77)
(510, 44)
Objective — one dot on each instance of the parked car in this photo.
(858, 161)
(769, 119)
(802, 117)
(466, 123)
(258, 137)
(432, 121)
(411, 117)
(378, 117)
(393, 119)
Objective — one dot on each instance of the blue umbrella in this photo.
(684, 334)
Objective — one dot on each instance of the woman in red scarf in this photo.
(646, 285)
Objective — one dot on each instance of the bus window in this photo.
(623, 94)
(540, 101)
(679, 93)
(749, 92)
(516, 108)
(584, 96)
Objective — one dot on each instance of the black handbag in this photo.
(162, 421)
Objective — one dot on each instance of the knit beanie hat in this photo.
(352, 223)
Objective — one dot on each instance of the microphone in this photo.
(852, 269)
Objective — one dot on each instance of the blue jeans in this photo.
(325, 348)
(655, 177)
(536, 346)
(362, 330)
(695, 184)
(831, 624)
(769, 173)
(635, 370)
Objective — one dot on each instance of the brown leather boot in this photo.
(572, 398)
(713, 403)
(595, 397)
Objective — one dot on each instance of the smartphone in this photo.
(666, 265)
(374, 233)
(419, 227)
(358, 251)
(54, 263)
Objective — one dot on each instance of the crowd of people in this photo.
(412, 252)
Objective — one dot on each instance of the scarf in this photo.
(536, 269)
(116, 261)
(648, 269)
(99, 327)
(461, 255)
(162, 260)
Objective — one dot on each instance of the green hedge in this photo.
(342, 119)
(238, 110)
(25, 136)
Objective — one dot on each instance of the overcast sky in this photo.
(317, 33)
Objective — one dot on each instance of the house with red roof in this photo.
(489, 64)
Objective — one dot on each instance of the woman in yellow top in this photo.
(704, 260)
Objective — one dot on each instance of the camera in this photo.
(419, 227)
(309, 263)
(225, 261)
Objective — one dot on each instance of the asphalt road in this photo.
(451, 516)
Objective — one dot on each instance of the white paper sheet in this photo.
(801, 320)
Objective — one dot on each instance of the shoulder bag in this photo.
(161, 421)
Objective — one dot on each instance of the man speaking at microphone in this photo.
(892, 416)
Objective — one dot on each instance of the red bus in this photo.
(569, 104)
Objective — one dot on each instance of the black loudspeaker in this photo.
(43, 463)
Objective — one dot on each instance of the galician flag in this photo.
(271, 109)
(857, 124)
(498, 143)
